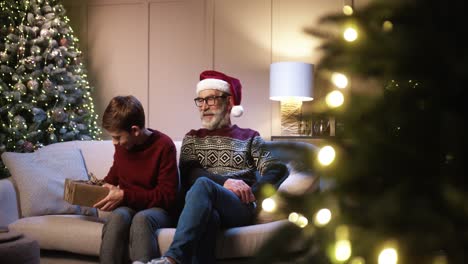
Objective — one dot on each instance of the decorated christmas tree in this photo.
(396, 189)
(45, 96)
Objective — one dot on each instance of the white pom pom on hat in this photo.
(237, 110)
(224, 83)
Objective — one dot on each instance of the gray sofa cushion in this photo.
(235, 242)
(40, 178)
(72, 233)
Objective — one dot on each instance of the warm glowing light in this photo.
(339, 80)
(298, 219)
(323, 217)
(357, 260)
(326, 155)
(342, 250)
(293, 217)
(388, 256)
(350, 34)
(342, 232)
(269, 205)
(440, 260)
(302, 221)
(387, 26)
(347, 10)
(334, 99)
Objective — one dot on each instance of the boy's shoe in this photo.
(162, 260)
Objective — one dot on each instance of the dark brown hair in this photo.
(122, 113)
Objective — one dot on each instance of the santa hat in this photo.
(221, 82)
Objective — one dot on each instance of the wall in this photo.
(155, 50)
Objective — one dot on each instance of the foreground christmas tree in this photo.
(398, 192)
(44, 93)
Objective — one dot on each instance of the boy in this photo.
(142, 183)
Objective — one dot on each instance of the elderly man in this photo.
(218, 166)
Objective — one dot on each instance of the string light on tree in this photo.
(322, 217)
(357, 260)
(350, 34)
(334, 99)
(342, 250)
(298, 219)
(348, 7)
(339, 80)
(41, 71)
(326, 155)
(387, 26)
(388, 256)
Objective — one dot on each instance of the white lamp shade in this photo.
(291, 80)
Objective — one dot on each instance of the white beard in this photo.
(219, 119)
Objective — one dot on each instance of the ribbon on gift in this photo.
(93, 180)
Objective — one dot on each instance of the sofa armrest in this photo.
(8, 202)
(296, 184)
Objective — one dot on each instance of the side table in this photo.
(16, 248)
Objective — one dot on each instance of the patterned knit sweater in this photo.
(229, 152)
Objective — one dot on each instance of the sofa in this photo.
(31, 201)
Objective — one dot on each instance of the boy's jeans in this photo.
(130, 232)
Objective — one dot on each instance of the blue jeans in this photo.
(128, 232)
(208, 208)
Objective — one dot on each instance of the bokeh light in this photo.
(350, 34)
(339, 80)
(388, 256)
(269, 205)
(334, 99)
(326, 155)
(323, 217)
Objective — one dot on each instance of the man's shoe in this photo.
(162, 260)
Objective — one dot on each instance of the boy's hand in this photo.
(112, 200)
(241, 189)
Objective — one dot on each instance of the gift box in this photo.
(84, 193)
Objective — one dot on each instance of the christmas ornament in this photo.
(30, 63)
(51, 129)
(59, 115)
(63, 42)
(64, 30)
(47, 85)
(52, 138)
(35, 50)
(4, 57)
(45, 33)
(69, 136)
(20, 87)
(39, 115)
(30, 18)
(53, 32)
(33, 85)
(50, 16)
(81, 127)
(19, 122)
(28, 146)
(46, 9)
(40, 20)
(35, 30)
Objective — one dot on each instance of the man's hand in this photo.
(241, 189)
(112, 200)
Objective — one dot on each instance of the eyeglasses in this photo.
(210, 100)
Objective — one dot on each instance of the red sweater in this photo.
(147, 174)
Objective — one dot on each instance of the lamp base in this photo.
(290, 117)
